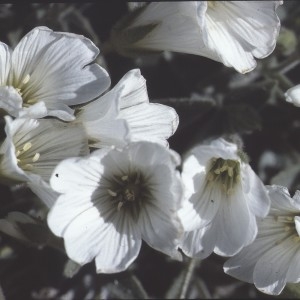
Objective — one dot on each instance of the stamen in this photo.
(31, 101)
(26, 79)
(129, 195)
(230, 172)
(124, 178)
(27, 167)
(120, 204)
(36, 157)
(112, 193)
(27, 146)
(224, 172)
(19, 91)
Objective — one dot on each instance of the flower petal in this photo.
(87, 172)
(5, 55)
(102, 122)
(43, 190)
(241, 266)
(56, 73)
(257, 197)
(201, 206)
(236, 36)
(10, 100)
(114, 243)
(281, 199)
(200, 242)
(151, 122)
(292, 95)
(237, 226)
(161, 230)
(271, 269)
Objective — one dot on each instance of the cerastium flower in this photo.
(273, 259)
(125, 115)
(113, 199)
(47, 72)
(223, 197)
(231, 32)
(33, 148)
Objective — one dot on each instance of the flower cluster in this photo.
(99, 158)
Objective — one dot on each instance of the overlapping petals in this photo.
(272, 260)
(54, 69)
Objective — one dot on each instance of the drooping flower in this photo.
(292, 95)
(125, 115)
(273, 259)
(223, 196)
(47, 72)
(33, 148)
(231, 32)
(112, 200)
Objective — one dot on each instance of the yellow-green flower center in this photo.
(24, 89)
(224, 173)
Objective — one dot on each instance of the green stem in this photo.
(187, 278)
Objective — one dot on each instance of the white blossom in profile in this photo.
(231, 32)
(273, 259)
(292, 95)
(222, 198)
(124, 114)
(112, 200)
(33, 148)
(47, 73)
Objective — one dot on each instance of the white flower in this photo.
(112, 200)
(231, 32)
(47, 72)
(273, 259)
(33, 148)
(292, 95)
(223, 196)
(125, 115)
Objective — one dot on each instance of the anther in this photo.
(112, 193)
(26, 79)
(27, 146)
(36, 157)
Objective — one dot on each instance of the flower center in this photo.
(25, 156)
(224, 172)
(129, 191)
(288, 224)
